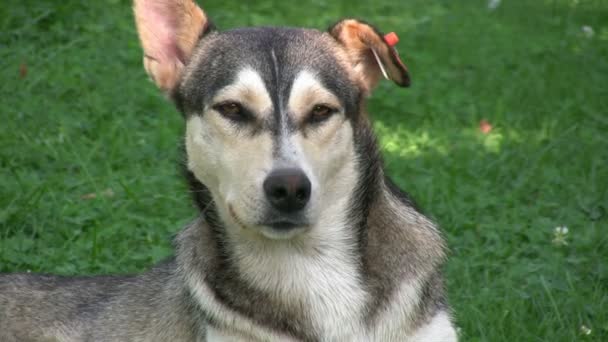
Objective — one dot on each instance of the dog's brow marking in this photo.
(306, 91)
(249, 88)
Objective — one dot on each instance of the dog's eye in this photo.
(320, 113)
(232, 110)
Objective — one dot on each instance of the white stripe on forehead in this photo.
(249, 89)
(308, 91)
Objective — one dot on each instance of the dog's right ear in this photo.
(169, 31)
(371, 54)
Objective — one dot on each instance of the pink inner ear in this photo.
(162, 27)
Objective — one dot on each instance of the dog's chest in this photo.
(287, 296)
(337, 312)
(324, 289)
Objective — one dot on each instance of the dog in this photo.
(301, 234)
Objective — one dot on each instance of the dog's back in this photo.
(151, 306)
(31, 305)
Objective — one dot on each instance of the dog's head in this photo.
(272, 113)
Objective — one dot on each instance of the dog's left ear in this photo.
(169, 31)
(371, 54)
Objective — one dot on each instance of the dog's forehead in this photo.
(289, 40)
(265, 49)
(278, 55)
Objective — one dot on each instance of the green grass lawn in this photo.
(89, 149)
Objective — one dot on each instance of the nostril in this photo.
(279, 193)
(302, 195)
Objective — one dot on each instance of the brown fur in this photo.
(420, 244)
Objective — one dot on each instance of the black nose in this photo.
(288, 190)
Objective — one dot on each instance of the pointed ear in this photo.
(370, 53)
(169, 31)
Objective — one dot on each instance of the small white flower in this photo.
(585, 330)
(493, 4)
(588, 31)
(559, 236)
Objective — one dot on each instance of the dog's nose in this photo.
(288, 190)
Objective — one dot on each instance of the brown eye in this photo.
(320, 113)
(232, 111)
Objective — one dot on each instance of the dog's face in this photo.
(269, 125)
(271, 113)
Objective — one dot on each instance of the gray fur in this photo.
(153, 306)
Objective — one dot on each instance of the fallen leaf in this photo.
(89, 196)
(108, 193)
(22, 70)
(105, 193)
(485, 127)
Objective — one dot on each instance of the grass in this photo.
(89, 181)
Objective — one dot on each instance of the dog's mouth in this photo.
(285, 224)
(281, 228)
(274, 227)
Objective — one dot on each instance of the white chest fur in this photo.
(325, 286)
(323, 283)
(438, 329)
